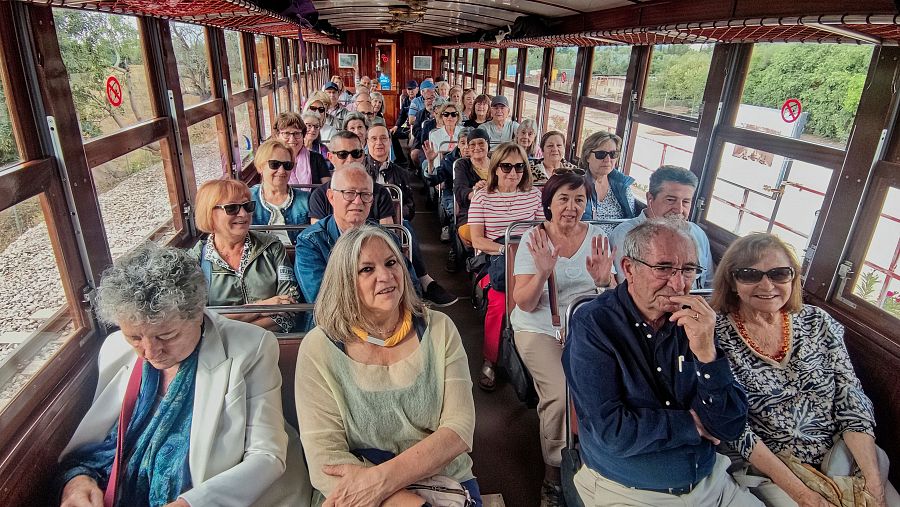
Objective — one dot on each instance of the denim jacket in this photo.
(618, 185)
(296, 213)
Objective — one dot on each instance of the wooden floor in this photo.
(507, 451)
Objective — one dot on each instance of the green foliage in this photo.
(189, 43)
(677, 78)
(867, 285)
(827, 78)
(564, 58)
(611, 60)
(8, 150)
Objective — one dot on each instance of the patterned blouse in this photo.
(609, 208)
(802, 403)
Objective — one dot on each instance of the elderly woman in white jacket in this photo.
(199, 394)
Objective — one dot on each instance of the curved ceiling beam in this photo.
(345, 20)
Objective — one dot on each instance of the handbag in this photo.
(842, 491)
(442, 491)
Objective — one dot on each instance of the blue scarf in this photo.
(156, 469)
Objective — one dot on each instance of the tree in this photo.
(611, 60)
(189, 43)
(8, 151)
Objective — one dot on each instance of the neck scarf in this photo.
(403, 328)
(302, 172)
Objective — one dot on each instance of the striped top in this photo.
(496, 210)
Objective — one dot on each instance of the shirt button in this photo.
(668, 403)
(649, 336)
(637, 325)
(698, 373)
(658, 368)
(706, 375)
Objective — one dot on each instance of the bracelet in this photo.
(502, 250)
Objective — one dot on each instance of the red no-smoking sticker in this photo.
(113, 91)
(790, 110)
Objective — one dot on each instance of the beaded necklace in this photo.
(785, 336)
(403, 328)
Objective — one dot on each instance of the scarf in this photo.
(302, 172)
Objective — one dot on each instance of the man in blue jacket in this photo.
(653, 393)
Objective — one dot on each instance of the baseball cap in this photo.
(411, 84)
(427, 85)
(498, 100)
(331, 86)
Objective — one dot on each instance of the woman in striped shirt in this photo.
(508, 197)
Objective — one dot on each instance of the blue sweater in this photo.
(632, 389)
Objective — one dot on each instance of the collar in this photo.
(635, 317)
(271, 207)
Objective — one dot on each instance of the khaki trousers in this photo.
(718, 489)
(543, 357)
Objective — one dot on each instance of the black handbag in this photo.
(516, 372)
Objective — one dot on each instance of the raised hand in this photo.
(543, 252)
(599, 262)
(430, 152)
(698, 320)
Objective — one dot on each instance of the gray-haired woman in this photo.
(191, 388)
(383, 378)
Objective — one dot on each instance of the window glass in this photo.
(9, 152)
(469, 83)
(284, 102)
(244, 134)
(235, 60)
(677, 78)
(103, 51)
(654, 147)
(32, 293)
(760, 191)
(189, 43)
(563, 72)
(608, 72)
(268, 112)
(479, 61)
(878, 282)
(806, 91)
(278, 67)
(470, 59)
(209, 161)
(262, 58)
(533, 64)
(493, 70)
(512, 62)
(557, 117)
(595, 121)
(529, 105)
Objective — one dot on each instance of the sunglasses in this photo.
(275, 164)
(775, 275)
(600, 154)
(319, 110)
(343, 154)
(569, 170)
(233, 207)
(507, 168)
(450, 114)
(310, 126)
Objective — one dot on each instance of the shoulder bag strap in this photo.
(128, 404)
(554, 303)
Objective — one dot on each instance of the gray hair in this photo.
(354, 168)
(150, 285)
(378, 121)
(356, 116)
(338, 307)
(530, 124)
(309, 115)
(671, 173)
(638, 240)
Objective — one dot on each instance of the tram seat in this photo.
(397, 200)
(288, 348)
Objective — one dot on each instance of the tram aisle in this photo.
(507, 451)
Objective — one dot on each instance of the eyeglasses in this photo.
(350, 195)
(449, 114)
(310, 126)
(275, 164)
(600, 154)
(343, 154)
(507, 167)
(232, 208)
(569, 170)
(319, 110)
(666, 272)
(291, 133)
(775, 275)
(370, 113)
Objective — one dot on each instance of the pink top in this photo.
(496, 210)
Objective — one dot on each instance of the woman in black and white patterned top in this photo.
(804, 398)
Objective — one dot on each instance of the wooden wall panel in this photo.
(363, 42)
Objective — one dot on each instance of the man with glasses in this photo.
(500, 129)
(424, 122)
(653, 393)
(670, 195)
(401, 130)
(336, 111)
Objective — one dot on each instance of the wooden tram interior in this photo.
(280, 62)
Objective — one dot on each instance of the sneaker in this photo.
(452, 266)
(445, 234)
(551, 494)
(439, 295)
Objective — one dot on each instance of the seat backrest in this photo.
(287, 363)
(571, 417)
(397, 200)
(511, 248)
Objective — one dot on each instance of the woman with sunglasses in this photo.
(578, 255)
(804, 398)
(277, 203)
(481, 112)
(508, 197)
(609, 190)
(313, 139)
(317, 104)
(309, 167)
(241, 267)
(553, 147)
(443, 138)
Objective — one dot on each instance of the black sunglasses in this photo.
(600, 154)
(232, 208)
(449, 114)
(507, 168)
(775, 275)
(320, 110)
(567, 170)
(275, 164)
(343, 154)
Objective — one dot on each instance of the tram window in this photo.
(563, 73)
(512, 62)
(284, 102)
(608, 72)
(654, 147)
(209, 161)
(529, 105)
(244, 134)
(826, 80)
(189, 42)
(878, 282)
(761, 191)
(9, 151)
(479, 61)
(265, 104)
(534, 61)
(34, 318)
(95, 47)
(677, 78)
(470, 58)
(595, 121)
(493, 71)
(558, 116)
(235, 60)
(264, 69)
(278, 70)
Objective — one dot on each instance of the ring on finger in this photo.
(696, 315)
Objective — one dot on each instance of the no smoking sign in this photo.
(113, 91)
(790, 110)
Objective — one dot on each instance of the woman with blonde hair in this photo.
(383, 390)
(277, 203)
(377, 99)
(318, 104)
(609, 189)
(443, 138)
(468, 103)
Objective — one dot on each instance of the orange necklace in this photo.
(785, 336)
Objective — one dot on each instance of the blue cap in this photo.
(427, 85)
(411, 84)
(331, 85)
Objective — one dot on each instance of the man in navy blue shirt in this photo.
(653, 393)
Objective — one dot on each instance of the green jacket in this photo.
(266, 272)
